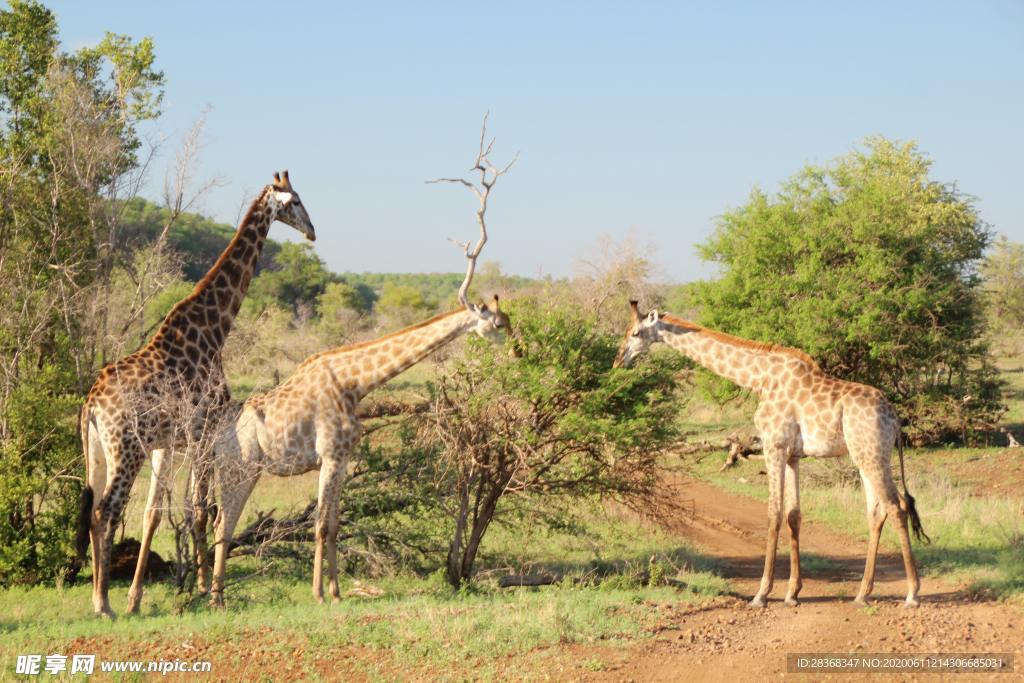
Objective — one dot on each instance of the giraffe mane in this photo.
(214, 269)
(363, 344)
(766, 347)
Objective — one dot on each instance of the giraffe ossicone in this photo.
(170, 395)
(802, 412)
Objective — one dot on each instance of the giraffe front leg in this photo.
(775, 464)
(332, 548)
(150, 522)
(791, 500)
(331, 477)
(321, 530)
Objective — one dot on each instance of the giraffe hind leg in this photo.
(876, 514)
(125, 469)
(889, 504)
(96, 483)
(791, 501)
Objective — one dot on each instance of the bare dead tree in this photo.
(611, 274)
(489, 175)
(466, 475)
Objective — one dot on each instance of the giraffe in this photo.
(802, 412)
(135, 406)
(309, 422)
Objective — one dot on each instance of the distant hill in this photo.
(199, 239)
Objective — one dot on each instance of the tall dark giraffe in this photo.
(802, 412)
(168, 393)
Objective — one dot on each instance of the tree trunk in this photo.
(454, 566)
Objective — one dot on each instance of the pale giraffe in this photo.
(137, 404)
(802, 412)
(309, 422)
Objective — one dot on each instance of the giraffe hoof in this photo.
(106, 614)
(910, 603)
(860, 602)
(758, 603)
(792, 602)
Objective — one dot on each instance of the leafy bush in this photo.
(39, 455)
(557, 422)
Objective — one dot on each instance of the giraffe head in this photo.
(284, 201)
(493, 324)
(643, 331)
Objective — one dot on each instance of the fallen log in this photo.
(527, 580)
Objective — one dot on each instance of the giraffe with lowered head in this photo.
(802, 412)
(169, 393)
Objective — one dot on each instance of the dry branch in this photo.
(489, 174)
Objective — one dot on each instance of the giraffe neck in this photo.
(377, 361)
(751, 365)
(204, 317)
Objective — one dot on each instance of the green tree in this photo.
(556, 422)
(295, 280)
(871, 267)
(1003, 273)
(339, 307)
(67, 139)
(402, 304)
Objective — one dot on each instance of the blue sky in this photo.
(636, 118)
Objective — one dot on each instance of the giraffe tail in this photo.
(86, 501)
(915, 518)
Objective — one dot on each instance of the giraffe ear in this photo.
(652, 317)
(634, 310)
(494, 306)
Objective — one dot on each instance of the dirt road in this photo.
(730, 641)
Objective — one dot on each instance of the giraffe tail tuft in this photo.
(915, 518)
(84, 521)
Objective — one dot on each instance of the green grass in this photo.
(606, 597)
(421, 619)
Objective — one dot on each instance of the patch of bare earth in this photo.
(731, 641)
